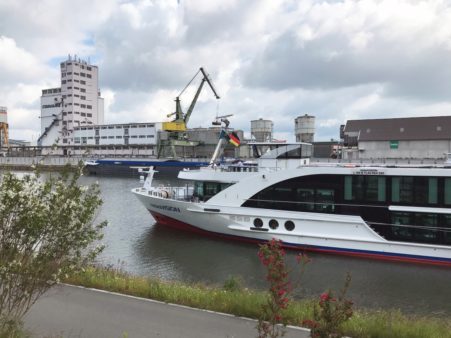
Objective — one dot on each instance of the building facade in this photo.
(77, 102)
(415, 138)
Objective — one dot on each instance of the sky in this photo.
(270, 59)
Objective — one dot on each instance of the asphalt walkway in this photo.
(71, 311)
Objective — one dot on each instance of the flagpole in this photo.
(217, 150)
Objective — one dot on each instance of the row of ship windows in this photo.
(274, 224)
(321, 192)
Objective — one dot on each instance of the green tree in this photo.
(46, 232)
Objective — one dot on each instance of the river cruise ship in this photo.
(398, 213)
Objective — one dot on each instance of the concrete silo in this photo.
(261, 130)
(304, 128)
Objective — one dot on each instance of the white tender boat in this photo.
(391, 213)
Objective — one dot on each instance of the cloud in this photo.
(16, 64)
(404, 46)
(277, 59)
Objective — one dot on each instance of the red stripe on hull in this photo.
(179, 225)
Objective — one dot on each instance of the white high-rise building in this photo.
(76, 103)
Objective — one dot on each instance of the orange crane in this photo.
(177, 127)
(181, 120)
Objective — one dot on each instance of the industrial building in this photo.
(417, 138)
(3, 127)
(77, 102)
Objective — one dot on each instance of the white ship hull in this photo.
(329, 233)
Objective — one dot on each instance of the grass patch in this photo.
(239, 301)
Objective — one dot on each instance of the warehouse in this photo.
(413, 138)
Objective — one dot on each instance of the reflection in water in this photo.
(195, 258)
(140, 247)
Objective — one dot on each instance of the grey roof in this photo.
(410, 128)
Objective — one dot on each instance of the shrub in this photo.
(330, 314)
(272, 257)
(46, 232)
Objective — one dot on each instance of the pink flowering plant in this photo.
(330, 313)
(272, 322)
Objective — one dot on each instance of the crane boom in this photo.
(193, 103)
(207, 78)
(181, 120)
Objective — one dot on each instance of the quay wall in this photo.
(28, 163)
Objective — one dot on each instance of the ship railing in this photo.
(183, 193)
(249, 168)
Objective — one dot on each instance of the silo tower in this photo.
(304, 128)
(261, 130)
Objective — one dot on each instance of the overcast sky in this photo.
(336, 60)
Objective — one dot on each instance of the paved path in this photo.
(77, 312)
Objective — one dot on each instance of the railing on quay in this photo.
(42, 160)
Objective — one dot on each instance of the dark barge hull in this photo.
(128, 168)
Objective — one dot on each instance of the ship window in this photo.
(199, 190)
(432, 193)
(294, 153)
(324, 199)
(364, 188)
(305, 199)
(206, 190)
(313, 193)
(211, 188)
(417, 190)
(289, 225)
(273, 224)
(400, 229)
(415, 227)
(402, 189)
(426, 235)
(282, 197)
(448, 191)
(348, 188)
(258, 223)
(447, 229)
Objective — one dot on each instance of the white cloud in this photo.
(275, 59)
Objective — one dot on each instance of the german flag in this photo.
(234, 139)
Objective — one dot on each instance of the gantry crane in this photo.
(177, 127)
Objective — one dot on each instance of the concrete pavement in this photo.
(72, 311)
